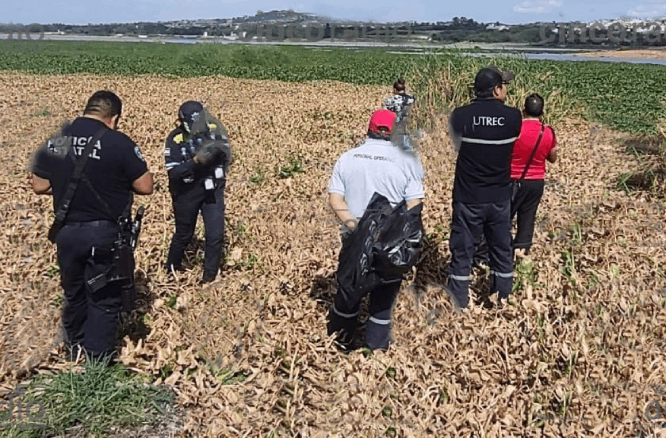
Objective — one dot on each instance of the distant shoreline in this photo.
(414, 43)
(656, 53)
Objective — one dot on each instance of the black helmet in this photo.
(188, 112)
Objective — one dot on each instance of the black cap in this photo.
(490, 77)
(188, 112)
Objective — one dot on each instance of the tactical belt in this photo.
(93, 224)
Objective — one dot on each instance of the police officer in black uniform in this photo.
(483, 132)
(197, 155)
(115, 169)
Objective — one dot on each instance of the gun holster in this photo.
(107, 265)
(98, 267)
(123, 262)
(123, 271)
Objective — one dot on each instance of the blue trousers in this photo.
(343, 315)
(470, 221)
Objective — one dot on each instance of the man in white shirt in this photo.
(377, 166)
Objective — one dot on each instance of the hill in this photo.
(458, 29)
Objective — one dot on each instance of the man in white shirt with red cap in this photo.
(376, 166)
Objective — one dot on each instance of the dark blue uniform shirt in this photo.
(486, 130)
(184, 174)
(113, 165)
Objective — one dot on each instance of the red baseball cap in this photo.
(381, 119)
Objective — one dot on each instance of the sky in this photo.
(486, 11)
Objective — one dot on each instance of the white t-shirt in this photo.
(377, 166)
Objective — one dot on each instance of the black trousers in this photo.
(525, 207)
(470, 222)
(186, 209)
(89, 319)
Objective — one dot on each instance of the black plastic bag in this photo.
(385, 245)
(356, 256)
(398, 247)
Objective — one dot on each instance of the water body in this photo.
(567, 57)
(415, 48)
(550, 56)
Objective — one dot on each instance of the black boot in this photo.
(207, 278)
(170, 269)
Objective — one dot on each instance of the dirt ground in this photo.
(580, 352)
(635, 54)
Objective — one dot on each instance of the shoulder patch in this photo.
(138, 153)
(178, 138)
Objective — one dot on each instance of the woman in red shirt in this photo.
(530, 181)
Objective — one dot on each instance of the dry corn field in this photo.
(580, 352)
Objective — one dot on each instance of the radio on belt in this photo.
(208, 184)
(219, 173)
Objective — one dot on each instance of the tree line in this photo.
(459, 29)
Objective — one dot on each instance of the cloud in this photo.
(537, 6)
(652, 10)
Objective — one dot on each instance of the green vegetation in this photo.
(526, 275)
(102, 400)
(651, 154)
(258, 177)
(42, 113)
(292, 64)
(171, 301)
(289, 170)
(611, 94)
(627, 97)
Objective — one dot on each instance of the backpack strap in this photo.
(529, 161)
(63, 209)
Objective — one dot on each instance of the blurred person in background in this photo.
(483, 133)
(374, 173)
(112, 172)
(535, 145)
(400, 103)
(197, 155)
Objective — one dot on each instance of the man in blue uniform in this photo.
(115, 169)
(197, 156)
(481, 257)
(483, 132)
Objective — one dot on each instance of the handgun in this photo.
(136, 228)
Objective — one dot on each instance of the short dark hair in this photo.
(105, 104)
(382, 135)
(534, 105)
(485, 93)
(399, 85)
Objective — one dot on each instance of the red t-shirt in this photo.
(522, 149)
